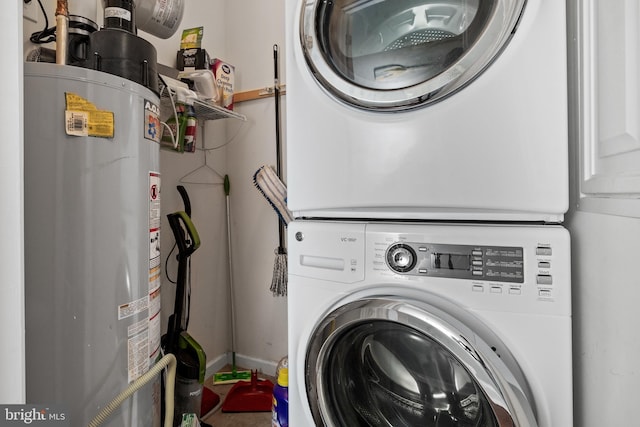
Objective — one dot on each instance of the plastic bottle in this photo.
(177, 126)
(283, 363)
(280, 408)
(191, 125)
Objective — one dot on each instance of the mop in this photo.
(279, 279)
(274, 191)
(234, 376)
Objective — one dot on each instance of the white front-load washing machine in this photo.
(428, 109)
(407, 324)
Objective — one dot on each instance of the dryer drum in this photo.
(373, 54)
(382, 362)
(398, 48)
(406, 377)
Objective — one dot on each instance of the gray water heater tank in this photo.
(92, 248)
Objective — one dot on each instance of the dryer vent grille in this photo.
(419, 37)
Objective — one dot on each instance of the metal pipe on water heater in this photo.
(62, 31)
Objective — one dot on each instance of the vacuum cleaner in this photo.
(191, 358)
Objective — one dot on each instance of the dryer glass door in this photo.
(385, 363)
(392, 55)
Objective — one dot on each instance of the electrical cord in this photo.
(47, 35)
(187, 285)
(188, 301)
(166, 264)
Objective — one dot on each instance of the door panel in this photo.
(609, 95)
(380, 362)
(397, 55)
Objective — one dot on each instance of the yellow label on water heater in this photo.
(82, 118)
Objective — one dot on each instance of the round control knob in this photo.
(401, 258)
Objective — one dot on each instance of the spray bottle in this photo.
(191, 126)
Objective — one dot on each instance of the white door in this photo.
(609, 111)
(392, 55)
(394, 362)
(604, 219)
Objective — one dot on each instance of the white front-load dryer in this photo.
(427, 109)
(406, 324)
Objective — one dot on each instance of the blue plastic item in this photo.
(280, 410)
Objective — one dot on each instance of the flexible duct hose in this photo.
(168, 361)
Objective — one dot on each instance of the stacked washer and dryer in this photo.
(429, 272)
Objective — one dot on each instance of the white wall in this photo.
(209, 275)
(12, 388)
(253, 27)
(241, 32)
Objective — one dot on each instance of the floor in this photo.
(217, 418)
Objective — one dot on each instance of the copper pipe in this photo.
(62, 8)
(62, 31)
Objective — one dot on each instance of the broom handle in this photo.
(232, 302)
(276, 93)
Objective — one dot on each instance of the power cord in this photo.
(47, 35)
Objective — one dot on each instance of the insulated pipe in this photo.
(168, 361)
(62, 31)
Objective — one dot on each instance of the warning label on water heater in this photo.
(83, 118)
(154, 231)
(152, 121)
(143, 334)
(154, 265)
(133, 307)
(138, 359)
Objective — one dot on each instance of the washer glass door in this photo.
(388, 363)
(393, 55)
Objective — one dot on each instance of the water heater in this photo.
(92, 248)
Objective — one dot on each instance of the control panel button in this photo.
(515, 291)
(541, 250)
(544, 264)
(544, 293)
(544, 279)
(496, 290)
(477, 288)
(401, 258)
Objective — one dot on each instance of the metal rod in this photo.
(276, 94)
(62, 31)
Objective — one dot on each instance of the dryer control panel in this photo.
(495, 263)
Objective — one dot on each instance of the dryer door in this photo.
(396, 55)
(393, 362)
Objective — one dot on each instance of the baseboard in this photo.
(264, 367)
(216, 365)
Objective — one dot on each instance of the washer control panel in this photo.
(495, 263)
